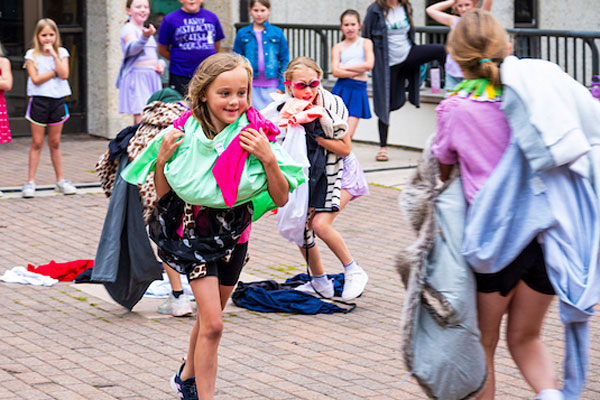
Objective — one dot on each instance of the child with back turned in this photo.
(197, 233)
(47, 86)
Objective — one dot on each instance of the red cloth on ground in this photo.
(66, 271)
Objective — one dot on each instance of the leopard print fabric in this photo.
(156, 116)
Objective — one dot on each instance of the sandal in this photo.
(382, 155)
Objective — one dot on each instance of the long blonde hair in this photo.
(206, 73)
(478, 43)
(298, 63)
(41, 24)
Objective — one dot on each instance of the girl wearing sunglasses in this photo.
(335, 176)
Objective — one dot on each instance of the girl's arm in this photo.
(6, 80)
(445, 170)
(341, 146)
(367, 65)
(217, 46)
(336, 69)
(164, 51)
(284, 60)
(486, 5)
(36, 78)
(169, 144)
(436, 12)
(257, 144)
(61, 66)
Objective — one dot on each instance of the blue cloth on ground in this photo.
(270, 296)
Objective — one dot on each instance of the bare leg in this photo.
(137, 118)
(206, 336)
(314, 260)
(525, 318)
(174, 278)
(352, 124)
(37, 143)
(490, 309)
(54, 132)
(323, 226)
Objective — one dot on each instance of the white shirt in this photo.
(398, 26)
(55, 87)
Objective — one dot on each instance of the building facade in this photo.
(90, 32)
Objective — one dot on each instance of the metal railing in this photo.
(575, 51)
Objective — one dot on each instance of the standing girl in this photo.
(47, 86)
(437, 12)
(389, 25)
(139, 75)
(197, 234)
(5, 84)
(186, 38)
(351, 59)
(266, 47)
(332, 183)
(474, 131)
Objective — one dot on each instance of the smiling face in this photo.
(462, 6)
(47, 36)
(350, 26)
(306, 75)
(139, 11)
(259, 13)
(227, 97)
(191, 6)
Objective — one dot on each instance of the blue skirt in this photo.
(354, 94)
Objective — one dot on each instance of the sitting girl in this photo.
(197, 234)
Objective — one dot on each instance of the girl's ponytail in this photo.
(478, 43)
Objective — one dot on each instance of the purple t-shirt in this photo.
(192, 38)
(473, 133)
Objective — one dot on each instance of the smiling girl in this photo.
(139, 75)
(266, 47)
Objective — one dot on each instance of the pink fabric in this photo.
(473, 133)
(179, 123)
(230, 164)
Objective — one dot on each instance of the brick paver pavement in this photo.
(61, 343)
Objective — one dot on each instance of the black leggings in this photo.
(419, 54)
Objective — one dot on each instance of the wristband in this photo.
(55, 74)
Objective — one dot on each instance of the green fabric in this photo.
(166, 95)
(189, 171)
(475, 87)
(262, 204)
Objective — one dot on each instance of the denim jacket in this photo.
(275, 48)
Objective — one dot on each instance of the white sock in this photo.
(351, 266)
(320, 280)
(550, 394)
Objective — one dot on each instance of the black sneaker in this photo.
(185, 389)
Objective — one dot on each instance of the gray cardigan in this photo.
(375, 29)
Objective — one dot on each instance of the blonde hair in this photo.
(41, 25)
(206, 73)
(299, 63)
(478, 44)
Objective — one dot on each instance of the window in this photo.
(526, 13)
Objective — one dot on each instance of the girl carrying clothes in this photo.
(196, 232)
(398, 59)
(437, 12)
(266, 47)
(332, 183)
(139, 75)
(47, 86)
(351, 59)
(474, 131)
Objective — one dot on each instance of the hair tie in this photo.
(484, 60)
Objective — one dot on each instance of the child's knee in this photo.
(320, 225)
(37, 145)
(212, 328)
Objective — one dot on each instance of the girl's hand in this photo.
(149, 31)
(169, 144)
(257, 144)
(160, 67)
(48, 49)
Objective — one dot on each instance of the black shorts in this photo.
(228, 272)
(47, 110)
(529, 266)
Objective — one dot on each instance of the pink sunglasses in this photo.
(303, 85)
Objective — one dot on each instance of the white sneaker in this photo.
(354, 283)
(550, 394)
(65, 186)
(312, 287)
(179, 307)
(28, 190)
